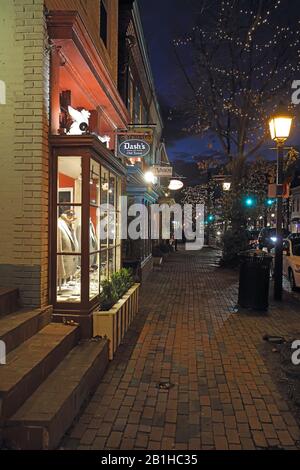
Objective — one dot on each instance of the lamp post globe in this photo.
(280, 125)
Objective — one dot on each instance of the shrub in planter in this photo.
(122, 281)
(114, 289)
(108, 296)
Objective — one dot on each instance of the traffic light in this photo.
(270, 202)
(250, 201)
(211, 218)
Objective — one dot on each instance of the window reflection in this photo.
(94, 275)
(111, 261)
(69, 278)
(103, 266)
(95, 183)
(104, 185)
(69, 181)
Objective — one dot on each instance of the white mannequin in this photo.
(66, 243)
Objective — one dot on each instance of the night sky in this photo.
(173, 20)
(163, 21)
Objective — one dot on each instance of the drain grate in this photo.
(164, 386)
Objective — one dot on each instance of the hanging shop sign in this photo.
(134, 148)
(162, 171)
(279, 190)
(135, 144)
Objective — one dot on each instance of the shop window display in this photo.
(103, 250)
(69, 229)
(103, 231)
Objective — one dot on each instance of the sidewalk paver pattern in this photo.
(188, 334)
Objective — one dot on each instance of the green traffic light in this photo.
(249, 202)
(270, 202)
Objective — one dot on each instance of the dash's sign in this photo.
(136, 144)
(135, 148)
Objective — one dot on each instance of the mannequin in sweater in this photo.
(66, 243)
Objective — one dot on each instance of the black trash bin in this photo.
(254, 280)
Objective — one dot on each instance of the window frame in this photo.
(103, 10)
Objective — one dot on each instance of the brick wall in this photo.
(89, 11)
(24, 150)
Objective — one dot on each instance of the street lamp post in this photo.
(280, 127)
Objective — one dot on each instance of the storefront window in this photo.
(103, 265)
(103, 226)
(112, 261)
(94, 275)
(69, 180)
(69, 278)
(69, 217)
(104, 212)
(95, 184)
(88, 244)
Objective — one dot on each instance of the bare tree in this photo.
(239, 60)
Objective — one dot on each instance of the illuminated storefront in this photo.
(86, 177)
(85, 245)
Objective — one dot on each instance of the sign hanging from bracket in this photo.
(162, 171)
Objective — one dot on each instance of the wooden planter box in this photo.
(114, 323)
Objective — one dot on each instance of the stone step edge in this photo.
(26, 384)
(29, 433)
(25, 327)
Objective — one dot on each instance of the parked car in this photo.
(291, 260)
(267, 238)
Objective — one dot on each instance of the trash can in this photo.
(254, 280)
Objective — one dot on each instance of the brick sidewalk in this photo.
(188, 334)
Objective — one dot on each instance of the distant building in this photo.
(137, 88)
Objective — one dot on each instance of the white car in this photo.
(291, 260)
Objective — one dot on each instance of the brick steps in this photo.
(9, 300)
(29, 365)
(45, 417)
(16, 328)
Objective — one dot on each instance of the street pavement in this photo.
(189, 336)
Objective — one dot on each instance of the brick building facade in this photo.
(31, 62)
(137, 88)
(24, 150)
(55, 54)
